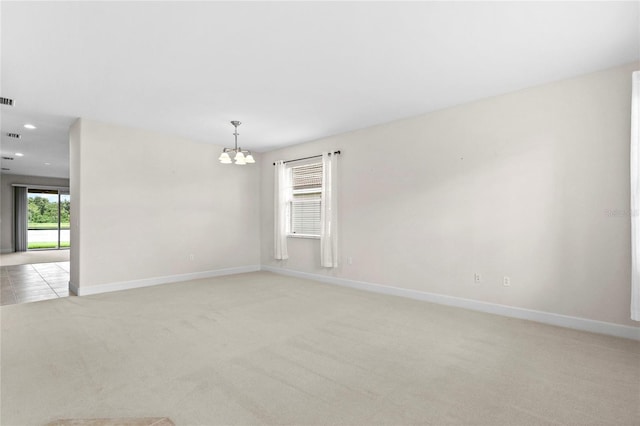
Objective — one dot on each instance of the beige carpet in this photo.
(38, 256)
(266, 349)
(145, 421)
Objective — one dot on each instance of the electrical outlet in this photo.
(350, 260)
(506, 281)
(191, 257)
(477, 278)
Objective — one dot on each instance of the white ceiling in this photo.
(291, 71)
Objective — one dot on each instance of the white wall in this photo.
(6, 203)
(144, 202)
(75, 149)
(533, 185)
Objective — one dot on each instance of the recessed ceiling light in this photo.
(29, 126)
(19, 154)
(47, 164)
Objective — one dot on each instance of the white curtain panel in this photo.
(635, 196)
(329, 212)
(281, 198)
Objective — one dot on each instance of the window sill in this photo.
(312, 237)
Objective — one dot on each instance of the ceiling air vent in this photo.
(6, 101)
(14, 135)
(7, 158)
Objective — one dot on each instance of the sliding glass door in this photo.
(64, 240)
(48, 219)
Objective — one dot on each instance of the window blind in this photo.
(306, 177)
(306, 188)
(305, 216)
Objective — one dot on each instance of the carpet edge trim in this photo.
(576, 323)
(169, 279)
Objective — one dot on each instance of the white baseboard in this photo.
(576, 323)
(147, 282)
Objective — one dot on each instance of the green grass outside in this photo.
(48, 244)
(53, 225)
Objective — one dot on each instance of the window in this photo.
(304, 208)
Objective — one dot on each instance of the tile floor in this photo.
(30, 283)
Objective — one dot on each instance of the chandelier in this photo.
(241, 156)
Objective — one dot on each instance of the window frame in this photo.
(293, 192)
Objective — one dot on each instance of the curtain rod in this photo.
(306, 158)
